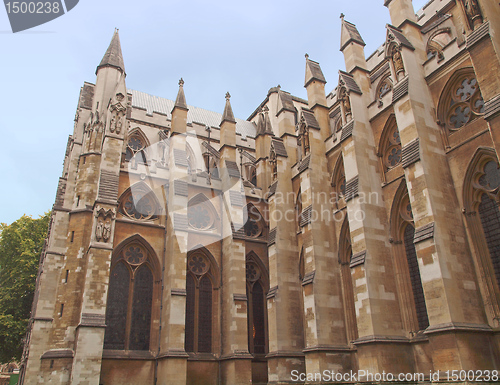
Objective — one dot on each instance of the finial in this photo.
(228, 96)
(307, 56)
(181, 82)
(279, 86)
(342, 16)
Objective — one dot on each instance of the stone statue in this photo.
(473, 13)
(99, 230)
(397, 59)
(106, 231)
(347, 107)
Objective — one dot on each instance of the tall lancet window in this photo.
(130, 299)
(199, 303)
(256, 310)
(407, 268)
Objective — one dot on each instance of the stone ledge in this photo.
(57, 353)
(381, 339)
(178, 292)
(173, 353)
(492, 108)
(272, 292)
(309, 278)
(237, 355)
(93, 320)
(285, 354)
(240, 297)
(127, 354)
(458, 327)
(478, 35)
(330, 349)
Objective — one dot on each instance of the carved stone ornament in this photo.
(118, 111)
(346, 102)
(103, 224)
(397, 60)
(473, 13)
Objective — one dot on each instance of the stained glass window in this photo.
(198, 337)
(128, 323)
(416, 282)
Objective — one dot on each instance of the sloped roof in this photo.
(164, 106)
(113, 56)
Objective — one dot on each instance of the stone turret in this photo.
(352, 46)
(400, 10)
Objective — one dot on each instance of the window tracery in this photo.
(383, 89)
(339, 181)
(139, 204)
(462, 101)
(201, 214)
(136, 146)
(130, 299)
(403, 230)
(199, 303)
(390, 145)
(256, 311)
(253, 226)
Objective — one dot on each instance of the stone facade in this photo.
(357, 230)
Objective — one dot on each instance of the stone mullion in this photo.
(285, 338)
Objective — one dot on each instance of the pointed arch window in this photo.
(481, 196)
(404, 231)
(254, 224)
(256, 310)
(139, 203)
(461, 101)
(384, 87)
(130, 299)
(199, 303)
(250, 173)
(390, 145)
(136, 148)
(345, 256)
(201, 214)
(339, 183)
(437, 42)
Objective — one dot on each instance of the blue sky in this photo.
(216, 46)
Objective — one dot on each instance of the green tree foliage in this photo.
(21, 244)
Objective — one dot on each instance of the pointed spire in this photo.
(264, 122)
(349, 33)
(313, 72)
(113, 56)
(228, 111)
(180, 101)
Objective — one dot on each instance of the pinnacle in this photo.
(180, 101)
(349, 33)
(228, 111)
(113, 56)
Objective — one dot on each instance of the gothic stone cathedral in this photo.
(354, 230)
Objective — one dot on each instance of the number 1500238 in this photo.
(32, 7)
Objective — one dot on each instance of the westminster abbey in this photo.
(355, 231)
